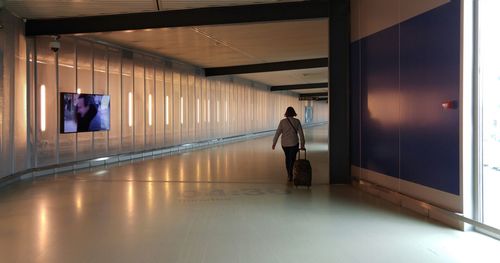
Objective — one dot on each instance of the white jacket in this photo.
(289, 136)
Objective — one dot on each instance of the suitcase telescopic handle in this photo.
(305, 153)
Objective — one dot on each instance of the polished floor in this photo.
(229, 203)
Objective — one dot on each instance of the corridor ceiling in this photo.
(205, 46)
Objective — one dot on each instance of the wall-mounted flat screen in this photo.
(84, 112)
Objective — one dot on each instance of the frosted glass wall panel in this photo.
(263, 117)
(248, 109)
(159, 109)
(236, 105)
(139, 103)
(67, 83)
(169, 108)
(255, 110)
(320, 111)
(149, 106)
(84, 85)
(230, 101)
(184, 100)
(235, 111)
(241, 107)
(11, 87)
(100, 86)
(127, 105)
(258, 116)
(277, 104)
(32, 105)
(211, 103)
(191, 108)
(204, 94)
(176, 103)
(197, 108)
(153, 104)
(224, 96)
(115, 93)
(267, 110)
(20, 105)
(216, 104)
(47, 96)
(5, 167)
(176, 107)
(243, 110)
(264, 113)
(219, 127)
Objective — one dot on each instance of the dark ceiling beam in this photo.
(180, 18)
(314, 95)
(300, 86)
(268, 67)
(314, 98)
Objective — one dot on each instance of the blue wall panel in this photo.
(430, 75)
(399, 80)
(355, 104)
(380, 102)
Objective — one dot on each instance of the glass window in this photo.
(489, 104)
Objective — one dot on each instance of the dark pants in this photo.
(290, 156)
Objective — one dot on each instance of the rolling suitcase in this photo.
(302, 174)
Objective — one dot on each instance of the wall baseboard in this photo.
(441, 214)
(444, 200)
(425, 209)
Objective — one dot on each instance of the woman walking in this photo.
(288, 129)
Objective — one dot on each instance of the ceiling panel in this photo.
(306, 91)
(183, 44)
(70, 8)
(276, 41)
(219, 46)
(289, 77)
(188, 4)
(74, 8)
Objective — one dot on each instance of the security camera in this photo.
(55, 45)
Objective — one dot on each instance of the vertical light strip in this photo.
(42, 108)
(150, 109)
(208, 111)
(198, 110)
(226, 111)
(166, 110)
(182, 110)
(79, 91)
(130, 110)
(217, 111)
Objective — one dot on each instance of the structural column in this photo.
(338, 95)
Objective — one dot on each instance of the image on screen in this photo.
(84, 112)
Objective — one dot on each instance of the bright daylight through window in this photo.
(489, 86)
